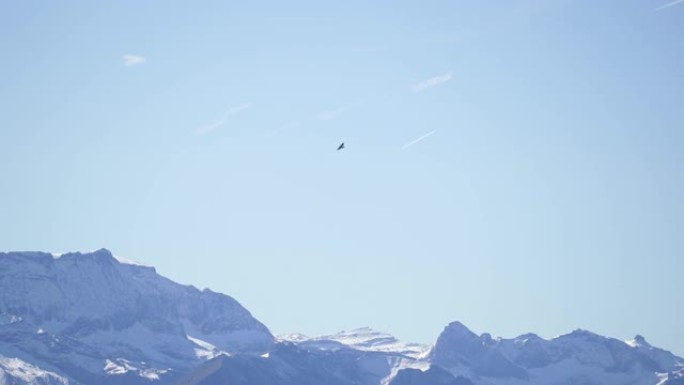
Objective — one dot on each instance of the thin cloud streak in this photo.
(219, 122)
(419, 139)
(335, 113)
(434, 81)
(670, 4)
(332, 114)
(130, 60)
(343, 109)
(284, 127)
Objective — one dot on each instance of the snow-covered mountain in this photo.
(91, 319)
(580, 357)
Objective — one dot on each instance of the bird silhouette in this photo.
(340, 147)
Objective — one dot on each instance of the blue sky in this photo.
(515, 165)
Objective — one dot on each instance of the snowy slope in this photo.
(14, 371)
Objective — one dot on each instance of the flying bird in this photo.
(341, 146)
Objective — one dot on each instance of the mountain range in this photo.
(92, 318)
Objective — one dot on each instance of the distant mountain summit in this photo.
(93, 319)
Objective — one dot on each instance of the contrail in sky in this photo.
(670, 4)
(220, 122)
(434, 81)
(414, 141)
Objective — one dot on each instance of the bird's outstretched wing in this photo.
(341, 146)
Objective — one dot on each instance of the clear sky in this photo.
(515, 165)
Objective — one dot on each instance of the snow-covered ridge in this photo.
(127, 261)
(362, 339)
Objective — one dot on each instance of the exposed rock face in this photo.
(433, 376)
(459, 347)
